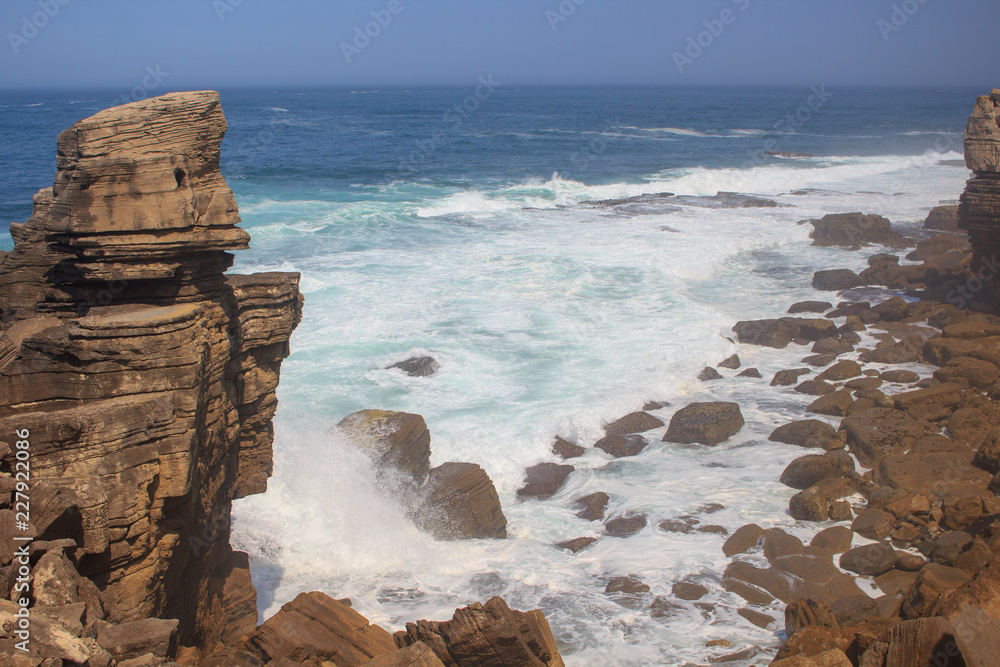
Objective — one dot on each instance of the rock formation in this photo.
(145, 376)
(979, 211)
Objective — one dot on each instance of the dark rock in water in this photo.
(805, 471)
(842, 370)
(544, 480)
(809, 307)
(686, 590)
(786, 154)
(834, 346)
(815, 388)
(879, 432)
(743, 540)
(789, 377)
(819, 360)
(630, 585)
(592, 506)
(804, 433)
(836, 280)
(750, 373)
(625, 526)
(460, 502)
(635, 422)
(709, 374)
(780, 332)
(655, 405)
(732, 362)
(577, 543)
(705, 423)
(836, 539)
(566, 449)
(397, 439)
(417, 366)
(682, 525)
(713, 529)
(726, 200)
(835, 404)
(622, 445)
(854, 230)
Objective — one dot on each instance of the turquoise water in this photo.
(490, 244)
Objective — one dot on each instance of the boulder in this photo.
(809, 505)
(417, 366)
(809, 307)
(878, 432)
(835, 404)
(933, 585)
(805, 612)
(460, 502)
(974, 612)
(592, 506)
(788, 377)
(704, 423)
(873, 523)
(626, 525)
(622, 445)
(810, 433)
(749, 373)
(805, 471)
(686, 590)
(731, 363)
(842, 370)
(636, 422)
(930, 404)
(418, 654)
(135, 638)
(543, 480)
(742, 540)
(576, 544)
(491, 634)
(630, 585)
(968, 372)
(708, 374)
(815, 388)
(829, 658)
(836, 539)
(780, 332)
(565, 449)
(854, 230)
(836, 280)
(397, 439)
(942, 219)
(933, 464)
(869, 560)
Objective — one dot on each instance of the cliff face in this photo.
(979, 211)
(145, 375)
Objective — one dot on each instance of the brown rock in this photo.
(873, 524)
(622, 445)
(804, 433)
(815, 388)
(802, 613)
(842, 370)
(930, 404)
(974, 612)
(810, 641)
(920, 642)
(805, 471)
(708, 374)
(417, 366)
(686, 590)
(779, 333)
(396, 439)
(592, 506)
(809, 307)
(565, 449)
(750, 373)
(732, 362)
(836, 539)
(934, 463)
(491, 634)
(869, 560)
(809, 505)
(933, 585)
(742, 540)
(132, 639)
(789, 377)
(840, 510)
(625, 526)
(830, 658)
(875, 433)
(942, 218)
(543, 480)
(854, 230)
(758, 618)
(630, 585)
(836, 280)
(576, 544)
(704, 423)
(963, 512)
(636, 422)
(835, 404)
(820, 359)
(415, 655)
(460, 502)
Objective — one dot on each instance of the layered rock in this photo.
(145, 375)
(979, 210)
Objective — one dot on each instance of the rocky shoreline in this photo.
(143, 378)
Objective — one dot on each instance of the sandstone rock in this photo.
(396, 439)
(815, 388)
(418, 654)
(835, 346)
(963, 512)
(460, 502)
(136, 638)
(566, 449)
(636, 422)
(686, 590)
(708, 374)
(836, 280)
(973, 612)
(417, 366)
(54, 581)
(819, 360)
(626, 525)
(920, 642)
(934, 463)
(840, 510)
(802, 613)
(810, 641)
(543, 480)
(622, 445)
(732, 362)
(742, 540)
(704, 423)
(842, 370)
(830, 658)
(778, 544)
(870, 560)
(909, 562)
(805, 471)
(491, 634)
(804, 433)
(779, 333)
(592, 506)
(933, 585)
(836, 539)
(758, 618)
(750, 373)
(809, 505)
(942, 218)
(875, 433)
(835, 404)
(968, 372)
(854, 230)
(809, 307)
(873, 524)
(789, 377)
(576, 544)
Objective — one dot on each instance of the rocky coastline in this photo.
(142, 379)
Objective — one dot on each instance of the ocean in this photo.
(522, 237)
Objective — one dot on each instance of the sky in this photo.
(183, 44)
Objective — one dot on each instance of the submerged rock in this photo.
(854, 230)
(417, 366)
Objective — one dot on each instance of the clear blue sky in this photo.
(226, 43)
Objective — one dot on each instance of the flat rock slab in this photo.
(636, 422)
(544, 480)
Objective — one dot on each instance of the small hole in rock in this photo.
(179, 177)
